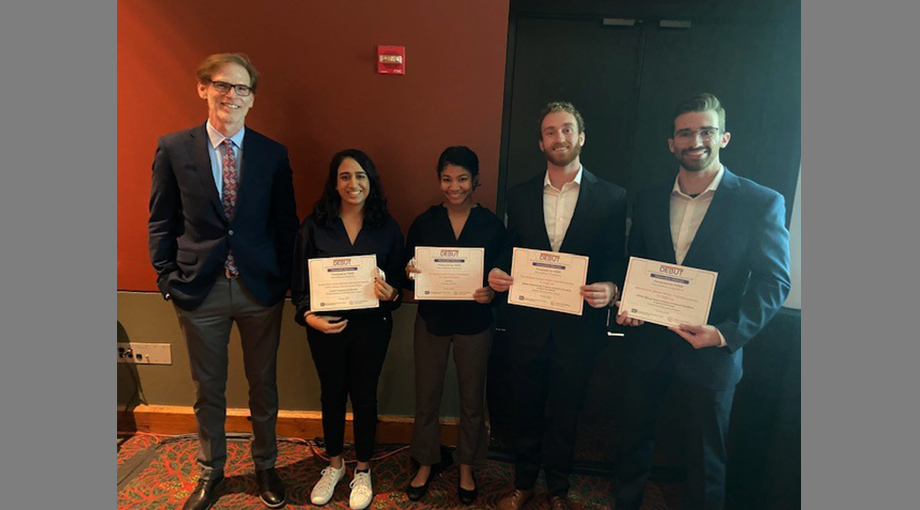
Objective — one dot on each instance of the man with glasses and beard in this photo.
(221, 238)
(565, 209)
(707, 218)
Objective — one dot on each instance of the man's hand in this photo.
(625, 320)
(484, 295)
(598, 294)
(499, 280)
(325, 324)
(699, 336)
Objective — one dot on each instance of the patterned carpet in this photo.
(158, 472)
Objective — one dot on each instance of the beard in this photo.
(563, 159)
(695, 165)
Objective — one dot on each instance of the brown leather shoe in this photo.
(516, 500)
(559, 503)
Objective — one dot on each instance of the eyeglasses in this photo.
(707, 134)
(224, 87)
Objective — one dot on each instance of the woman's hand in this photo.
(484, 295)
(383, 290)
(325, 324)
(499, 280)
(411, 270)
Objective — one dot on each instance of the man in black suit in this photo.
(565, 209)
(707, 218)
(221, 237)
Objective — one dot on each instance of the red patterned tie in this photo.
(228, 195)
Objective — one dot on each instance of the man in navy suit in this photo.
(564, 209)
(221, 237)
(707, 218)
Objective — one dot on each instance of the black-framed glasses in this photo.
(224, 87)
(707, 134)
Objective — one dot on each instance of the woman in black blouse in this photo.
(349, 347)
(467, 325)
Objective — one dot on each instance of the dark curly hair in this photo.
(326, 210)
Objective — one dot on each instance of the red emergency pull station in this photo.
(391, 59)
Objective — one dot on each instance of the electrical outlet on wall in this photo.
(144, 354)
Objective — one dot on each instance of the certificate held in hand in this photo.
(343, 283)
(548, 280)
(667, 294)
(448, 273)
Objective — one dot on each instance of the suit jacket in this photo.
(743, 238)
(597, 230)
(189, 234)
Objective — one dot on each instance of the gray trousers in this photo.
(471, 357)
(207, 333)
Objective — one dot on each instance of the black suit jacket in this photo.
(189, 234)
(743, 238)
(597, 230)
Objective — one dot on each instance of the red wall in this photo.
(320, 93)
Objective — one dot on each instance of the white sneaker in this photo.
(361, 491)
(325, 487)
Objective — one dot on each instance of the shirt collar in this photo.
(713, 186)
(217, 138)
(576, 180)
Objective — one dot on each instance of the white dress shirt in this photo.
(558, 207)
(687, 214)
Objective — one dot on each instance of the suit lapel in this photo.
(200, 154)
(660, 223)
(252, 151)
(536, 204)
(720, 208)
(583, 206)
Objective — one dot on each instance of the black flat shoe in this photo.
(467, 496)
(417, 493)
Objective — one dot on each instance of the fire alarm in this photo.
(391, 59)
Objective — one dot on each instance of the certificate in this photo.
(548, 280)
(448, 273)
(667, 294)
(343, 283)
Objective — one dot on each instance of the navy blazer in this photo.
(743, 238)
(189, 234)
(597, 230)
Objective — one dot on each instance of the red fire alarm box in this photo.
(391, 59)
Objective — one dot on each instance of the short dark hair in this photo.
(700, 103)
(212, 63)
(461, 156)
(560, 106)
(327, 208)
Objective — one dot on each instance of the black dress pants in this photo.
(706, 412)
(549, 381)
(349, 364)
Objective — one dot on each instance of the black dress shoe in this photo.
(559, 503)
(417, 493)
(467, 496)
(271, 488)
(205, 494)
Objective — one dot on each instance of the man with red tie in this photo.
(221, 233)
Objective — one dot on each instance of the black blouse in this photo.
(316, 241)
(432, 228)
